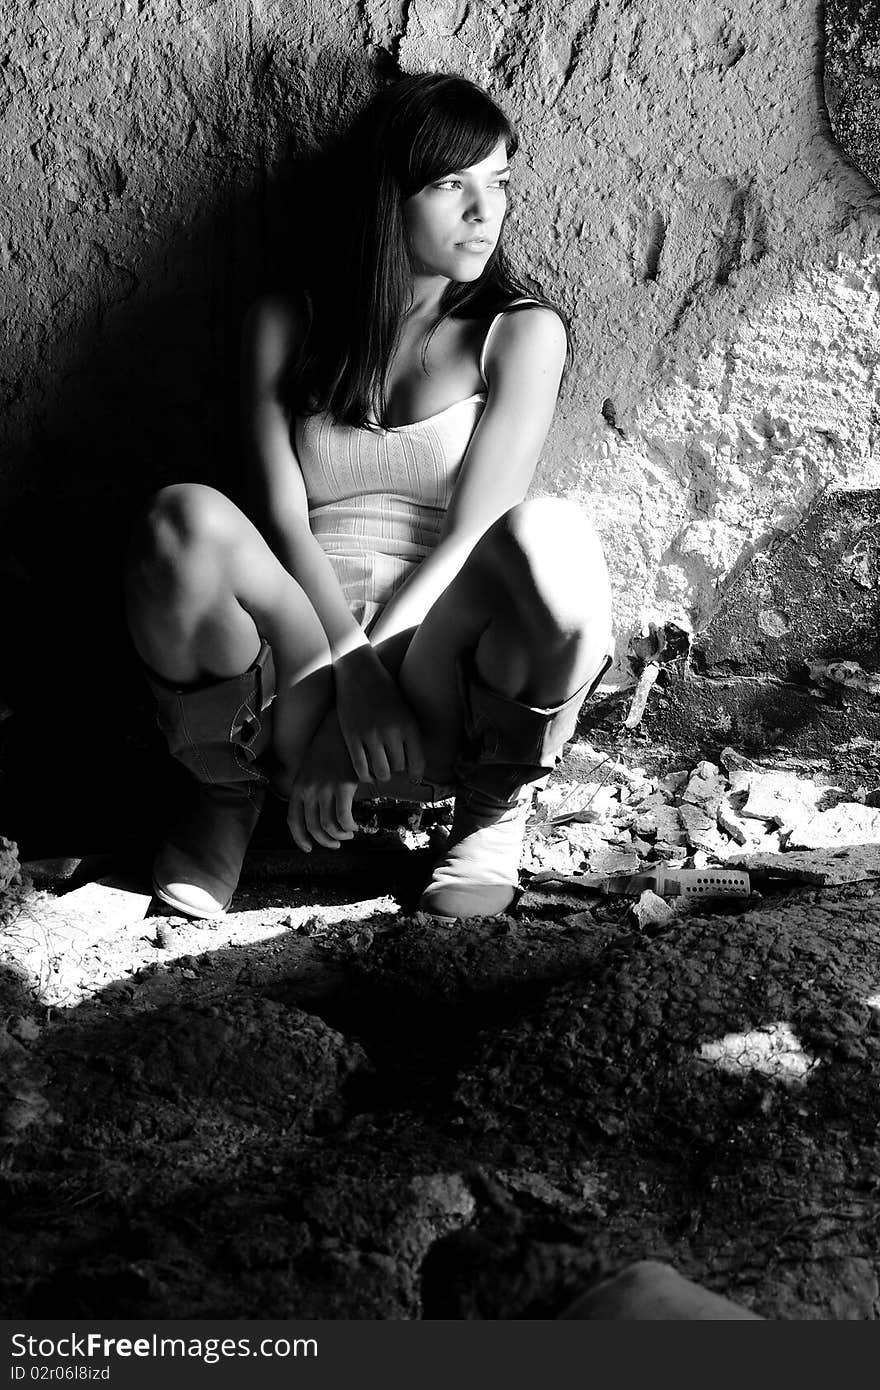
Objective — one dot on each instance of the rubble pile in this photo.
(618, 820)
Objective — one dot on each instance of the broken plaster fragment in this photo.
(705, 788)
(848, 823)
(700, 828)
(651, 910)
(730, 823)
(783, 797)
(732, 761)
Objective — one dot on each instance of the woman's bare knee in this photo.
(187, 516)
(551, 559)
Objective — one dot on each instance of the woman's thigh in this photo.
(203, 587)
(507, 594)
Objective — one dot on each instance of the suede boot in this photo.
(197, 867)
(511, 749)
(218, 731)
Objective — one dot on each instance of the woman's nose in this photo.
(479, 208)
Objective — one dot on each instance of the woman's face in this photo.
(454, 223)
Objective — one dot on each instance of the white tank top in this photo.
(377, 497)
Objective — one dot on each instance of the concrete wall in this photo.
(678, 190)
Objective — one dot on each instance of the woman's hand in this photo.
(378, 726)
(319, 807)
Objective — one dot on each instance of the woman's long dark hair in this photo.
(410, 134)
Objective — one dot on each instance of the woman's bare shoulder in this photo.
(274, 328)
(526, 334)
(276, 317)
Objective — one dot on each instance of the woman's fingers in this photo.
(379, 761)
(315, 813)
(321, 816)
(344, 815)
(414, 754)
(396, 751)
(358, 755)
(297, 824)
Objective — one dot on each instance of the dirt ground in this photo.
(326, 1106)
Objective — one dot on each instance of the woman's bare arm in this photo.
(277, 492)
(370, 714)
(527, 357)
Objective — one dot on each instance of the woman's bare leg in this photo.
(203, 587)
(532, 604)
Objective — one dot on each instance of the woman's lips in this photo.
(475, 244)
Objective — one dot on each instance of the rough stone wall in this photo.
(678, 190)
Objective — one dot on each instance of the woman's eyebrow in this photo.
(494, 174)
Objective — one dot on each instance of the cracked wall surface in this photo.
(678, 190)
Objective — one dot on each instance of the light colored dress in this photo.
(378, 497)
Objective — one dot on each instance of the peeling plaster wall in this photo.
(678, 190)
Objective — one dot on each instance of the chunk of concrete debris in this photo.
(673, 782)
(584, 763)
(733, 825)
(591, 802)
(54, 934)
(557, 854)
(651, 910)
(700, 828)
(783, 797)
(732, 761)
(669, 826)
(705, 788)
(587, 837)
(103, 905)
(848, 823)
(852, 864)
(611, 861)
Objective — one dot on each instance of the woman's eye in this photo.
(448, 183)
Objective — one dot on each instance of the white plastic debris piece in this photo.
(640, 698)
(772, 1050)
(708, 882)
(873, 1001)
(847, 823)
(848, 673)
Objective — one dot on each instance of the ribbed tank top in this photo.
(377, 497)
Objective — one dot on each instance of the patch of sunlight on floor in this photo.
(772, 1050)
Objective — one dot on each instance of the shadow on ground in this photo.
(387, 1118)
